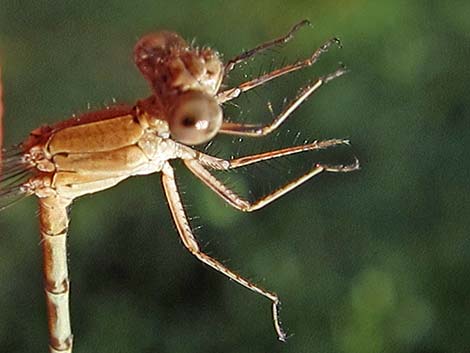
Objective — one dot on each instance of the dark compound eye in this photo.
(188, 121)
(196, 118)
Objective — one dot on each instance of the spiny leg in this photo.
(53, 226)
(233, 93)
(197, 167)
(258, 130)
(223, 164)
(189, 241)
(264, 46)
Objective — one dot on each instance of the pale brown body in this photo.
(98, 150)
(94, 156)
(85, 157)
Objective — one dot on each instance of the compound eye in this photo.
(196, 118)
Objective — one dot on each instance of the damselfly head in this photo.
(172, 66)
(153, 48)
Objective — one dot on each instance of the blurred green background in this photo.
(372, 261)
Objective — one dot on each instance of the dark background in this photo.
(372, 261)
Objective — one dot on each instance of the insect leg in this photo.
(234, 92)
(197, 167)
(258, 130)
(264, 46)
(54, 222)
(189, 241)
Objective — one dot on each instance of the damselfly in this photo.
(97, 150)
